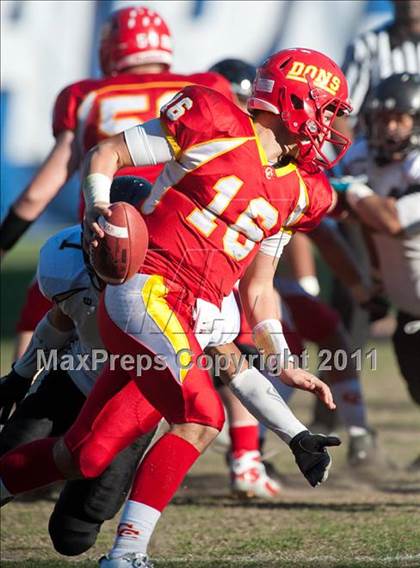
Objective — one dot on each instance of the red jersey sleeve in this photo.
(67, 105)
(320, 198)
(65, 111)
(198, 114)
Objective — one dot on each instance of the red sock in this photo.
(29, 466)
(243, 439)
(162, 471)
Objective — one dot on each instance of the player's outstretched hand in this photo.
(312, 458)
(13, 388)
(91, 229)
(300, 379)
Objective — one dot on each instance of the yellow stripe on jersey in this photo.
(171, 140)
(154, 294)
(285, 170)
(261, 151)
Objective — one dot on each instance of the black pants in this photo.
(83, 505)
(407, 350)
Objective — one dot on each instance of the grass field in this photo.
(356, 519)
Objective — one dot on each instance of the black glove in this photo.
(377, 307)
(311, 455)
(13, 388)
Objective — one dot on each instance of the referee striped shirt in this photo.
(376, 55)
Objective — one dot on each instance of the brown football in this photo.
(121, 251)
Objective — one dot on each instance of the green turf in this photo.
(354, 520)
(17, 270)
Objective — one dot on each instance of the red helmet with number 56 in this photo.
(134, 36)
(308, 90)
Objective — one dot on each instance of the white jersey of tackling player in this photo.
(62, 273)
(399, 257)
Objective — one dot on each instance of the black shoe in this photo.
(311, 455)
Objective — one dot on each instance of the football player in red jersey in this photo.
(135, 56)
(233, 190)
(307, 318)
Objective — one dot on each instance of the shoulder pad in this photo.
(198, 114)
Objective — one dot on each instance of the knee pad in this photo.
(22, 430)
(72, 536)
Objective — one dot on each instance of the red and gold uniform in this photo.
(213, 207)
(95, 109)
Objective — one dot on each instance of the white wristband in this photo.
(357, 191)
(269, 338)
(96, 189)
(310, 284)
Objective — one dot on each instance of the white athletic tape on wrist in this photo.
(269, 338)
(112, 230)
(356, 192)
(45, 337)
(96, 189)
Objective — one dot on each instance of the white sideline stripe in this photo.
(112, 230)
(269, 558)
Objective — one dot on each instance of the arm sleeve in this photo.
(148, 144)
(259, 395)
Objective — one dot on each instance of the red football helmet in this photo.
(308, 90)
(134, 36)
